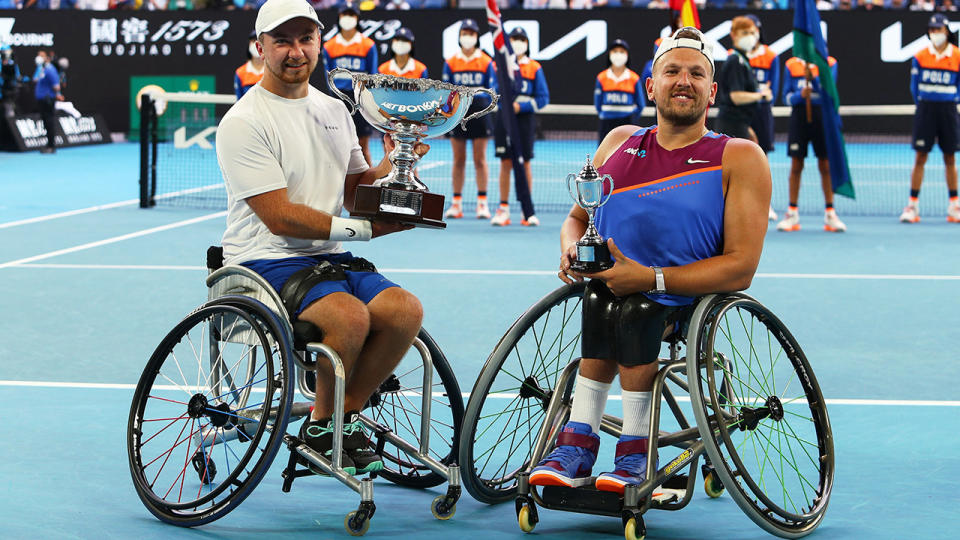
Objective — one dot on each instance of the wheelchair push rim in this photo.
(761, 415)
(200, 406)
(508, 403)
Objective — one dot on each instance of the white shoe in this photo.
(483, 211)
(455, 211)
(911, 214)
(531, 221)
(502, 217)
(772, 216)
(832, 223)
(790, 222)
(953, 212)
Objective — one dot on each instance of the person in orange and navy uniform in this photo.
(470, 67)
(402, 63)
(618, 94)
(934, 82)
(801, 85)
(532, 96)
(350, 49)
(251, 71)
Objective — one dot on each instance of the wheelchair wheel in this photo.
(761, 414)
(209, 412)
(508, 402)
(397, 405)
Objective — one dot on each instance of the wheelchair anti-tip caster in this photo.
(445, 506)
(206, 468)
(711, 483)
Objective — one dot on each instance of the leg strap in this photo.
(300, 283)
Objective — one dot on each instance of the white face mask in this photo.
(468, 41)
(348, 23)
(519, 46)
(400, 47)
(253, 50)
(39, 60)
(618, 59)
(747, 42)
(938, 39)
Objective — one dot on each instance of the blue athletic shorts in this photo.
(363, 285)
(935, 121)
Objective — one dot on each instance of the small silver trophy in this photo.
(409, 110)
(587, 190)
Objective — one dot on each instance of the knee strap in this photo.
(300, 283)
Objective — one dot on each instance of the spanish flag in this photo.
(687, 11)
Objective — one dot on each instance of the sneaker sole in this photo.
(376, 466)
(914, 220)
(951, 219)
(352, 471)
(833, 229)
(504, 224)
(789, 229)
(606, 483)
(548, 478)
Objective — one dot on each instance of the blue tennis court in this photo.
(91, 284)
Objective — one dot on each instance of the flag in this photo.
(508, 80)
(809, 45)
(687, 11)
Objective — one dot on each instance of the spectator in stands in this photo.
(47, 92)
(352, 50)
(801, 90)
(10, 4)
(532, 96)
(922, 5)
(402, 5)
(471, 67)
(934, 80)
(618, 94)
(251, 71)
(93, 5)
(738, 91)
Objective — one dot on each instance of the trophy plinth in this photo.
(587, 190)
(409, 110)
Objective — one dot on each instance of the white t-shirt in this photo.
(266, 142)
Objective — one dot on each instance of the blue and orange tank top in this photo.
(667, 206)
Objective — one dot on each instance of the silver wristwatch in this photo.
(660, 287)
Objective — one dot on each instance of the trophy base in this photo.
(417, 208)
(592, 258)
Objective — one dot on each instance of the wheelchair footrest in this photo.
(586, 500)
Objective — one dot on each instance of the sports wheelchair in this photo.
(760, 418)
(213, 404)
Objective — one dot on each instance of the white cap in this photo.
(273, 13)
(673, 42)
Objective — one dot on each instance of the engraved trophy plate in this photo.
(587, 190)
(409, 110)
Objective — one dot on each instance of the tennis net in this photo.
(179, 166)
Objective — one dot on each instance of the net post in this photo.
(154, 128)
(146, 105)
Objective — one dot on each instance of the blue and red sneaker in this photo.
(571, 461)
(630, 465)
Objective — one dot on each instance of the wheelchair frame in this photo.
(716, 412)
(242, 288)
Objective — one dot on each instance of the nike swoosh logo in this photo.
(692, 161)
(350, 232)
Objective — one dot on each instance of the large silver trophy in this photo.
(587, 190)
(409, 110)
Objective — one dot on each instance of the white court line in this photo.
(836, 401)
(113, 240)
(913, 277)
(107, 206)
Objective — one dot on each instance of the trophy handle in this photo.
(576, 198)
(494, 98)
(333, 87)
(607, 178)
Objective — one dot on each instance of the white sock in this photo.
(589, 400)
(636, 413)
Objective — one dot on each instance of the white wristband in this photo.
(350, 230)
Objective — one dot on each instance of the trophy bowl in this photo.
(409, 110)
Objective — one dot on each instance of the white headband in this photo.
(673, 42)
